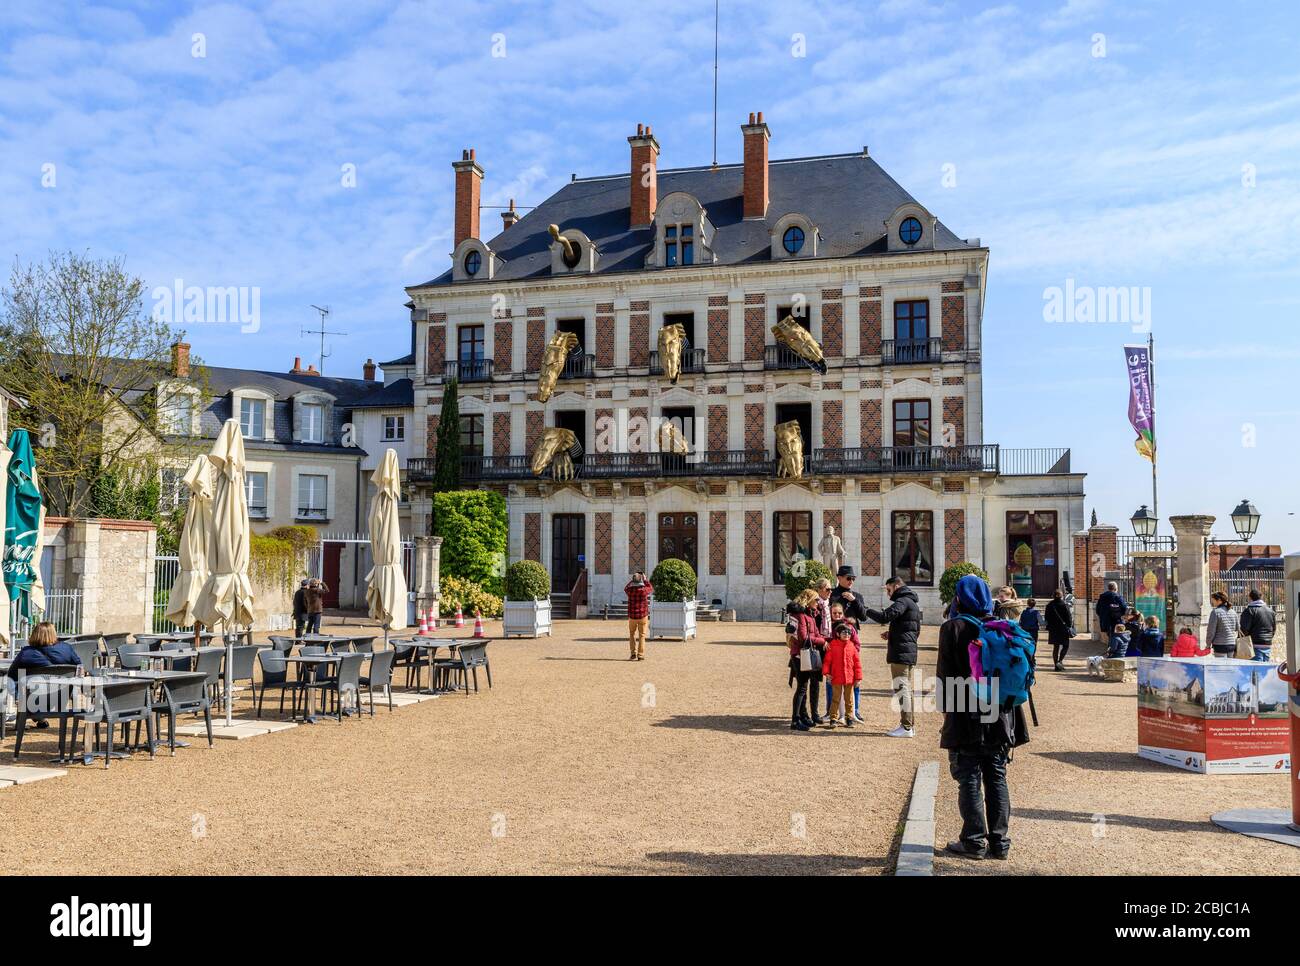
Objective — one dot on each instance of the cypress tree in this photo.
(446, 466)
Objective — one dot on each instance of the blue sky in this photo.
(1154, 145)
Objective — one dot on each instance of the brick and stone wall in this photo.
(719, 322)
(954, 537)
(954, 317)
(832, 323)
(503, 345)
(870, 543)
(638, 338)
(605, 335)
(635, 542)
(604, 542)
(832, 424)
(717, 542)
(753, 543)
(869, 414)
(755, 326)
(536, 327)
(869, 322)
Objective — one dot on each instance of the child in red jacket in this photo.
(1187, 645)
(843, 668)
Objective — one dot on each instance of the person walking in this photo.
(1004, 598)
(1060, 629)
(300, 609)
(806, 646)
(1110, 608)
(854, 606)
(978, 750)
(638, 592)
(903, 615)
(1221, 631)
(315, 597)
(1259, 623)
(1031, 619)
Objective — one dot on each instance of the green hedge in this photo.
(527, 580)
(674, 581)
(804, 574)
(473, 527)
(948, 582)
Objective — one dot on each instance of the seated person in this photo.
(43, 650)
(1119, 641)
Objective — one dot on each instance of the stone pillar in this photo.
(428, 560)
(83, 570)
(1193, 606)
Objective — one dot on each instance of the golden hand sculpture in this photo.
(672, 338)
(671, 439)
(789, 450)
(800, 341)
(569, 248)
(553, 360)
(553, 450)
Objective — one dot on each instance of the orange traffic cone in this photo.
(460, 617)
(478, 624)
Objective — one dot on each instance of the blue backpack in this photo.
(1007, 653)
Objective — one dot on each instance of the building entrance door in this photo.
(568, 547)
(679, 538)
(1033, 550)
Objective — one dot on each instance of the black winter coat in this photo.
(903, 615)
(857, 608)
(963, 729)
(1110, 609)
(1059, 622)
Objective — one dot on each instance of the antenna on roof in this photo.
(715, 83)
(322, 332)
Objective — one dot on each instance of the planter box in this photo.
(527, 618)
(672, 619)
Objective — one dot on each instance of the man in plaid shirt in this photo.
(638, 592)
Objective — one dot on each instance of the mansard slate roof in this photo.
(847, 196)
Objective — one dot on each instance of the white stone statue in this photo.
(831, 550)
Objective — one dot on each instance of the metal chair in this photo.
(283, 644)
(454, 672)
(365, 645)
(87, 651)
(120, 702)
(242, 658)
(109, 644)
(380, 676)
(128, 655)
(208, 663)
(346, 679)
(275, 674)
(180, 695)
(52, 698)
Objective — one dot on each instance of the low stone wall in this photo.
(111, 562)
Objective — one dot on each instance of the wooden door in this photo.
(568, 549)
(679, 538)
(332, 556)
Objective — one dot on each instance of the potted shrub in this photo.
(805, 574)
(527, 609)
(672, 609)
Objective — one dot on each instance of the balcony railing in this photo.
(468, 370)
(905, 459)
(781, 357)
(692, 361)
(579, 367)
(1034, 462)
(906, 352)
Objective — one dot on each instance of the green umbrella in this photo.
(22, 523)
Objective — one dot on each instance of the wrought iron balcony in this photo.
(781, 357)
(579, 367)
(905, 459)
(468, 370)
(692, 361)
(907, 352)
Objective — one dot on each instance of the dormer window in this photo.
(792, 240)
(252, 418)
(473, 262)
(313, 423)
(793, 236)
(909, 232)
(679, 245)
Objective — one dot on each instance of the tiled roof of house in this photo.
(847, 196)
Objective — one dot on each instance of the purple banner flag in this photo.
(1141, 399)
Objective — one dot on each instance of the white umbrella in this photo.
(386, 584)
(6, 454)
(227, 594)
(193, 551)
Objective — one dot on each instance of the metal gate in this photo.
(165, 570)
(360, 544)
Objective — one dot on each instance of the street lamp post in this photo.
(1144, 524)
(1245, 519)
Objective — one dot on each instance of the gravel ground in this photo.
(580, 761)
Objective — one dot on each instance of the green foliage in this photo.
(474, 528)
(119, 498)
(804, 574)
(272, 559)
(527, 580)
(446, 457)
(301, 536)
(170, 526)
(469, 596)
(948, 582)
(674, 581)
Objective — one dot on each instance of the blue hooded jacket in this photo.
(973, 597)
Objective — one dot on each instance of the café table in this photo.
(432, 644)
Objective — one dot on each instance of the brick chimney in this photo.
(368, 370)
(181, 360)
(645, 176)
(509, 216)
(469, 184)
(311, 370)
(756, 138)
(297, 369)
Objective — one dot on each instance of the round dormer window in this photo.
(909, 232)
(792, 240)
(473, 262)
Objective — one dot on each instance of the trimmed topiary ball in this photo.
(527, 580)
(674, 582)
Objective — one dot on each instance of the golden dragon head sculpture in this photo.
(554, 450)
(671, 439)
(672, 340)
(553, 359)
(789, 450)
(799, 340)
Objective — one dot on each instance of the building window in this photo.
(911, 323)
(312, 496)
(255, 491)
(912, 422)
(471, 435)
(792, 240)
(313, 423)
(173, 493)
(471, 343)
(578, 327)
(909, 232)
(913, 546)
(797, 312)
(394, 429)
(791, 541)
(252, 418)
(180, 415)
(473, 262)
(679, 245)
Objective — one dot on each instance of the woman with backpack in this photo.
(1060, 629)
(978, 751)
(806, 645)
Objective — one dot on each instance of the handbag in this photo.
(805, 659)
(1245, 649)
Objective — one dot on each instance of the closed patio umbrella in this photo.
(386, 584)
(193, 550)
(226, 597)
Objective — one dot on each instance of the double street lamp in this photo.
(1245, 520)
